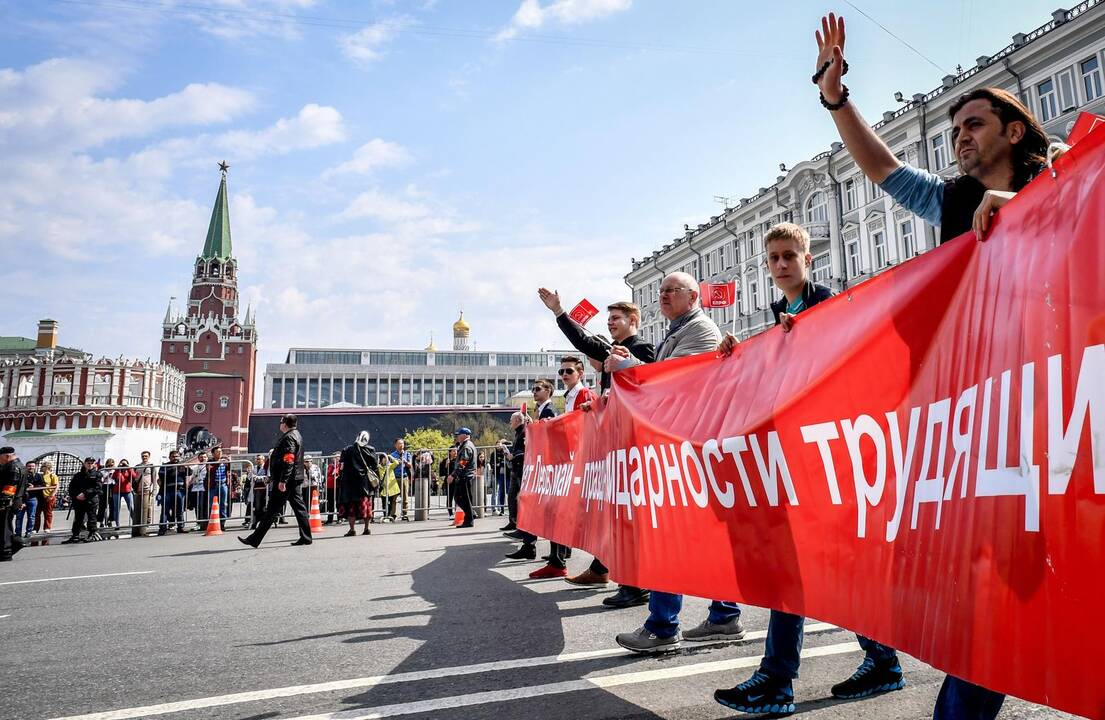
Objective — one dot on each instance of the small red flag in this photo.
(583, 312)
(716, 295)
(1083, 126)
(523, 408)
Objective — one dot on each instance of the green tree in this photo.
(428, 438)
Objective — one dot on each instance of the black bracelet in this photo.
(821, 71)
(833, 107)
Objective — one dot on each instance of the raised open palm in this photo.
(830, 48)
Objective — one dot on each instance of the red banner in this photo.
(716, 295)
(583, 312)
(921, 459)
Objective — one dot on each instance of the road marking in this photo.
(596, 683)
(4, 616)
(77, 577)
(373, 680)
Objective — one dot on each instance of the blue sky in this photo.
(395, 162)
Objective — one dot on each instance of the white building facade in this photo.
(324, 377)
(1057, 70)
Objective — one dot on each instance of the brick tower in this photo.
(215, 350)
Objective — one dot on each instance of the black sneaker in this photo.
(515, 535)
(508, 527)
(526, 552)
(871, 678)
(626, 598)
(761, 693)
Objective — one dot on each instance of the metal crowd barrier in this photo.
(422, 496)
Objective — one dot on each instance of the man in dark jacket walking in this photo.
(13, 488)
(85, 491)
(288, 478)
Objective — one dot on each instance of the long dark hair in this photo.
(1030, 154)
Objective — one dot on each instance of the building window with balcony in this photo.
(878, 242)
(817, 208)
(822, 268)
(905, 230)
(1045, 93)
(939, 152)
(1091, 78)
(851, 199)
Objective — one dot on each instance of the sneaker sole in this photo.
(773, 709)
(716, 637)
(889, 687)
(570, 581)
(657, 650)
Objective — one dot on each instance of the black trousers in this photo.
(450, 497)
(462, 496)
(514, 488)
(259, 497)
(331, 503)
(84, 515)
(294, 496)
(10, 543)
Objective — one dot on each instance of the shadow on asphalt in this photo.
(477, 616)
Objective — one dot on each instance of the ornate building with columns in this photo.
(856, 230)
(212, 344)
(60, 404)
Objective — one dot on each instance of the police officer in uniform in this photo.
(13, 487)
(288, 479)
(85, 490)
(464, 472)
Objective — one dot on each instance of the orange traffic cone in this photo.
(316, 516)
(458, 517)
(214, 522)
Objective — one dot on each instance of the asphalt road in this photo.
(418, 619)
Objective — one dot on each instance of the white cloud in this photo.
(59, 104)
(314, 126)
(366, 45)
(386, 208)
(373, 154)
(238, 19)
(531, 14)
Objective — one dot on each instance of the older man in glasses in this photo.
(690, 332)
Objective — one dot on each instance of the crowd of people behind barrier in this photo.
(177, 494)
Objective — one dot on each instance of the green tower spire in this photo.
(218, 232)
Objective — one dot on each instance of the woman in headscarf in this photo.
(358, 481)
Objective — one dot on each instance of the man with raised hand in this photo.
(690, 332)
(999, 148)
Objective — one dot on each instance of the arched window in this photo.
(817, 208)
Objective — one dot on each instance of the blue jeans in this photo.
(224, 503)
(961, 700)
(663, 613)
(783, 648)
(172, 509)
(28, 511)
(129, 499)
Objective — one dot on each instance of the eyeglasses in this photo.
(566, 371)
(672, 291)
(536, 388)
